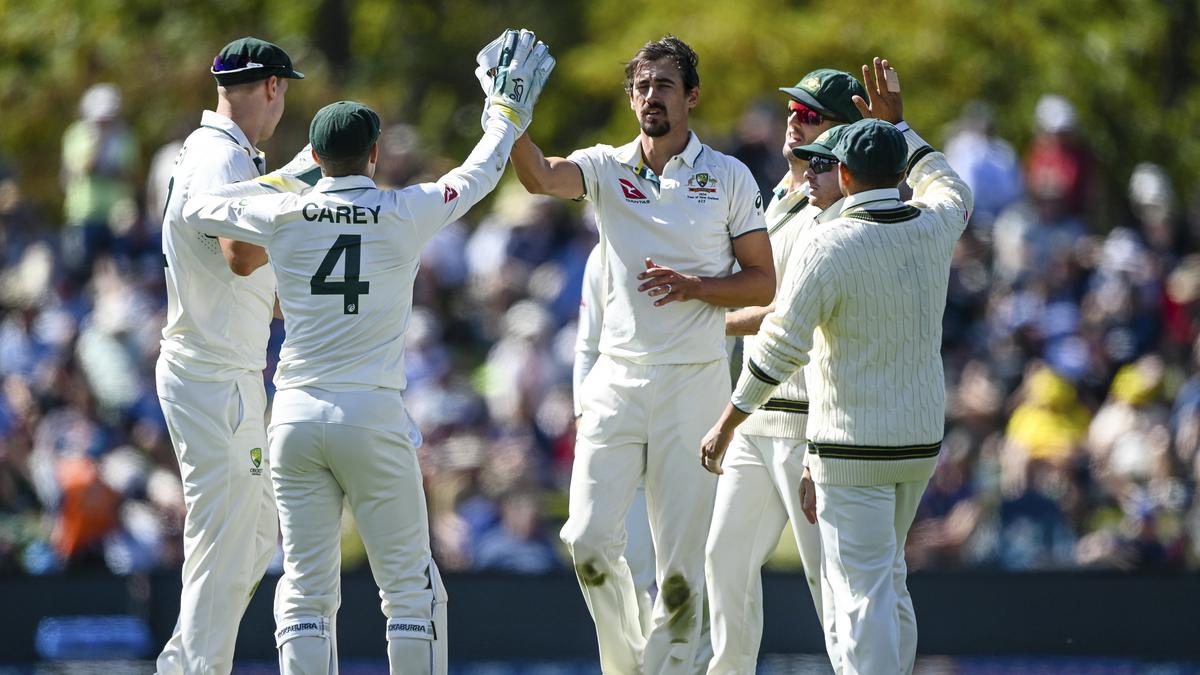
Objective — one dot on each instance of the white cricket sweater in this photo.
(872, 285)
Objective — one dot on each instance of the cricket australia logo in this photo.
(255, 461)
(702, 187)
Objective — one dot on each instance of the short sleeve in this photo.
(746, 202)
(591, 164)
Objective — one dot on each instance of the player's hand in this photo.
(520, 75)
(808, 497)
(297, 176)
(713, 447)
(883, 91)
(487, 63)
(668, 285)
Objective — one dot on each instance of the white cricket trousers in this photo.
(758, 493)
(642, 421)
(317, 465)
(230, 532)
(863, 530)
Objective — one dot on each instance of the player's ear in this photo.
(693, 97)
(272, 86)
(375, 153)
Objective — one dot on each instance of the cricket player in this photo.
(346, 255)
(872, 285)
(759, 491)
(639, 546)
(220, 297)
(674, 215)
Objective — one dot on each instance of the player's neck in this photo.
(657, 151)
(247, 120)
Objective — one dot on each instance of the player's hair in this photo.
(876, 182)
(346, 166)
(669, 47)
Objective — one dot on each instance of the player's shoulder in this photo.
(718, 161)
(598, 154)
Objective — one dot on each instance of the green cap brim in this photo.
(808, 100)
(813, 149)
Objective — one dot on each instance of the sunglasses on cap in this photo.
(820, 165)
(807, 114)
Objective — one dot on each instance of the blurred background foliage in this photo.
(1131, 67)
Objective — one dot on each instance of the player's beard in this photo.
(656, 129)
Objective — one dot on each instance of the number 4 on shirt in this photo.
(350, 287)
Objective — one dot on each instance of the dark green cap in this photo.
(872, 147)
(830, 93)
(824, 144)
(343, 130)
(249, 59)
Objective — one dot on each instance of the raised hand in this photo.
(521, 72)
(882, 83)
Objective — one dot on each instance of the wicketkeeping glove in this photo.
(520, 71)
(297, 176)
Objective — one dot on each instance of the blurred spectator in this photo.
(1059, 162)
(517, 543)
(99, 157)
(757, 143)
(985, 161)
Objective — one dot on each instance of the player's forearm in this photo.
(481, 171)
(936, 182)
(746, 321)
(533, 170)
(751, 286)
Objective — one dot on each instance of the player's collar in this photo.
(339, 183)
(834, 210)
(222, 123)
(631, 153)
(884, 198)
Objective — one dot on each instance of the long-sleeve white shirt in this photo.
(872, 285)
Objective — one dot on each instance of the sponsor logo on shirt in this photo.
(632, 193)
(256, 461)
(449, 194)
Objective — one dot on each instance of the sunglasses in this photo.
(807, 114)
(820, 165)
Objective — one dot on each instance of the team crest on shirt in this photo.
(255, 461)
(632, 194)
(702, 187)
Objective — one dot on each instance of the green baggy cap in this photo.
(249, 59)
(830, 93)
(343, 129)
(872, 147)
(824, 144)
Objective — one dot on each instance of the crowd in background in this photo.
(1071, 356)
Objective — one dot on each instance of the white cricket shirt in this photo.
(218, 323)
(687, 220)
(346, 255)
